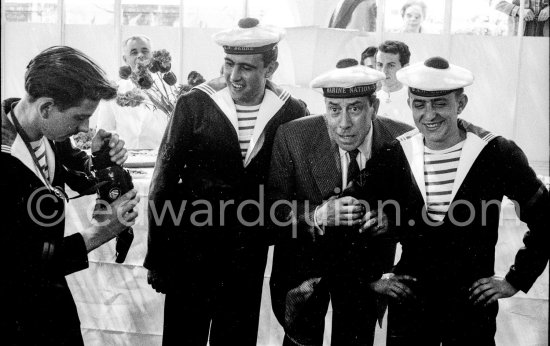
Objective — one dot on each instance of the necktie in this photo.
(353, 167)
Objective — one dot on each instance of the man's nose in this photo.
(345, 120)
(235, 74)
(430, 112)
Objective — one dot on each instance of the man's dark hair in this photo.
(396, 47)
(367, 53)
(269, 56)
(372, 98)
(347, 62)
(193, 74)
(458, 92)
(194, 78)
(68, 76)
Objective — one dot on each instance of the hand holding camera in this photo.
(114, 182)
(111, 220)
(103, 139)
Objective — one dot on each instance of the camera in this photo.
(113, 182)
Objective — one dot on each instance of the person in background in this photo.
(413, 14)
(535, 15)
(62, 89)
(218, 144)
(194, 78)
(368, 57)
(390, 58)
(142, 126)
(332, 257)
(448, 178)
(354, 14)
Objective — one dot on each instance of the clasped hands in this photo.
(529, 15)
(349, 211)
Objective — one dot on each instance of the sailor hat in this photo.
(434, 77)
(348, 80)
(249, 37)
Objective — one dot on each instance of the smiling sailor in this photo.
(449, 178)
(218, 143)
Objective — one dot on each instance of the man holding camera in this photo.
(63, 88)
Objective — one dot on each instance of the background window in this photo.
(212, 13)
(150, 12)
(94, 12)
(282, 13)
(29, 11)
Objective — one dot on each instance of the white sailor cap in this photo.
(249, 37)
(434, 77)
(349, 79)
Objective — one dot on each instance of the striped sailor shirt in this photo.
(40, 152)
(246, 116)
(440, 167)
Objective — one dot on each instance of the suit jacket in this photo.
(200, 165)
(41, 309)
(532, 28)
(305, 168)
(461, 249)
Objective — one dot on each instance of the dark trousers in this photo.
(353, 314)
(223, 302)
(434, 319)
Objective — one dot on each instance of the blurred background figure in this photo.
(390, 58)
(142, 126)
(354, 14)
(194, 78)
(535, 15)
(368, 57)
(413, 14)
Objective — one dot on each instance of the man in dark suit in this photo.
(210, 261)
(328, 257)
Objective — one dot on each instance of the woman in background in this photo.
(413, 14)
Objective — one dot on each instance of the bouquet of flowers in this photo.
(160, 95)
